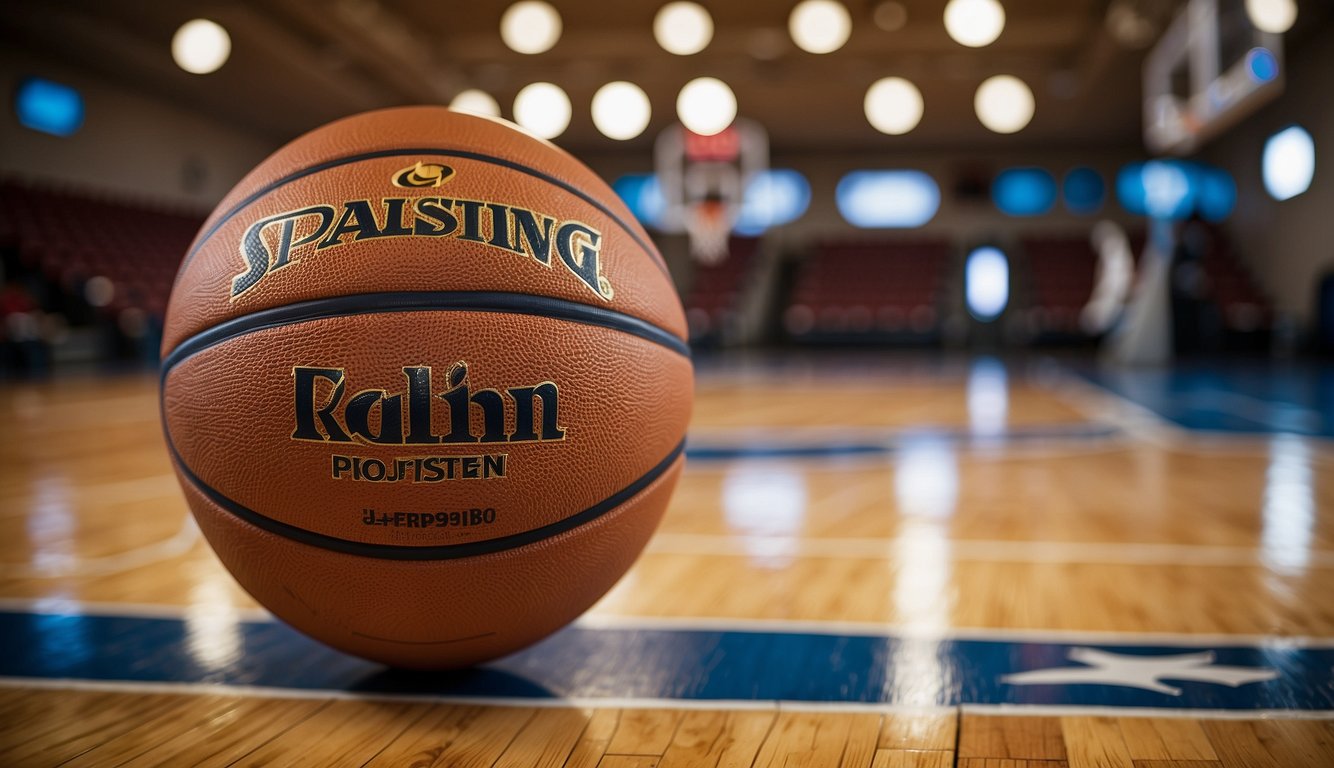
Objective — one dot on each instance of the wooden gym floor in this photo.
(869, 561)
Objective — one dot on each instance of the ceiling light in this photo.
(974, 23)
(893, 105)
(1004, 104)
(475, 101)
(706, 106)
(200, 46)
(819, 26)
(1276, 16)
(683, 28)
(530, 26)
(890, 15)
(621, 110)
(543, 109)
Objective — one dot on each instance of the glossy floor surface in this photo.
(869, 561)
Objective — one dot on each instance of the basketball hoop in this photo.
(703, 179)
(707, 226)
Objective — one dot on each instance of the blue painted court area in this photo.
(1256, 398)
(688, 665)
(891, 442)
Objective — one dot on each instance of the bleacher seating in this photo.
(875, 291)
(73, 237)
(712, 302)
(1059, 272)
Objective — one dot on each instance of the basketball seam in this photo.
(260, 193)
(422, 301)
(436, 552)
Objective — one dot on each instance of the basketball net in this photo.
(708, 225)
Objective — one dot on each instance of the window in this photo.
(987, 283)
(1024, 191)
(1174, 189)
(773, 197)
(887, 199)
(48, 107)
(1289, 163)
(643, 196)
(1083, 190)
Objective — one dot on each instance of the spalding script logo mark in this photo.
(423, 175)
(297, 234)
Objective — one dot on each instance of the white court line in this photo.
(54, 606)
(597, 620)
(978, 550)
(934, 634)
(1107, 406)
(975, 447)
(762, 705)
(1055, 710)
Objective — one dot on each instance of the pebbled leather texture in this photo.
(232, 407)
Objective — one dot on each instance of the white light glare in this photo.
(200, 46)
(475, 101)
(531, 26)
(621, 110)
(893, 105)
(1276, 16)
(1289, 162)
(543, 109)
(974, 23)
(706, 106)
(1004, 104)
(819, 26)
(987, 283)
(683, 28)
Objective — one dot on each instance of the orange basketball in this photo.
(424, 385)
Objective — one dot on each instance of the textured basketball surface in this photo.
(425, 386)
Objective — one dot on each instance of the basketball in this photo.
(425, 386)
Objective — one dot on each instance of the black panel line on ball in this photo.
(424, 642)
(653, 255)
(442, 552)
(423, 301)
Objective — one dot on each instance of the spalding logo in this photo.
(282, 239)
(423, 175)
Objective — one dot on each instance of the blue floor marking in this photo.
(696, 665)
(892, 443)
(1254, 398)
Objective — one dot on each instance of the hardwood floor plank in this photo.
(930, 731)
(1003, 736)
(1095, 742)
(592, 744)
(644, 731)
(1150, 738)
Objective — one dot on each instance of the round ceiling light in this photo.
(893, 105)
(974, 23)
(706, 106)
(543, 109)
(1004, 104)
(683, 28)
(531, 26)
(621, 110)
(475, 101)
(1275, 16)
(819, 26)
(201, 46)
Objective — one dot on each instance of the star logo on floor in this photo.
(1145, 672)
